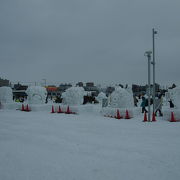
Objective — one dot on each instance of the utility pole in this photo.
(148, 54)
(153, 63)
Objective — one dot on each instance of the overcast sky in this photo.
(88, 40)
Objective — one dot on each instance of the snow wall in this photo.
(6, 95)
(73, 96)
(36, 95)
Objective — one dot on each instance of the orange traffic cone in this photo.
(27, 108)
(52, 111)
(127, 115)
(145, 117)
(22, 108)
(153, 117)
(68, 110)
(118, 115)
(172, 117)
(59, 110)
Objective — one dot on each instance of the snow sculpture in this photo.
(121, 98)
(101, 96)
(73, 96)
(6, 95)
(175, 93)
(129, 89)
(36, 95)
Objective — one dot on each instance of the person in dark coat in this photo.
(143, 105)
(135, 101)
(171, 104)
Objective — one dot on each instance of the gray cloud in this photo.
(81, 40)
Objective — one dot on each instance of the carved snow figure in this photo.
(6, 95)
(73, 96)
(101, 96)
(36, 95)
(121, 98)
(129, 89)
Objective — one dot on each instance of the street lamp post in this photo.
(153, 63)
(148, 54)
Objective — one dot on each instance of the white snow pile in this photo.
(101, 96)
(121, 98)
(176, 96)
(36, 95)
(6, 95)
(73, 96)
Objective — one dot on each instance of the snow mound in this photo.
(101, 96)
(6, 95)
(73, 96)
(36, 95)
(176, 96)
(121, 98)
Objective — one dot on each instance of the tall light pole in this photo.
(148, 54)
(153, 63)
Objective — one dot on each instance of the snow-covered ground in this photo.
(45, 146)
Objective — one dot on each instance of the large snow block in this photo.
(36, 95)
(6, 95)
(73, 96)
(121, 98)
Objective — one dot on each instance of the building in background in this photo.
(19, 92)
(91, 89)
(62, 87)
(4, 82)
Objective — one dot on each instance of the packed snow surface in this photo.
(36, 95)
(6, 95)
(73, 96)
(44, 146)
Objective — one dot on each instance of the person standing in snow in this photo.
(143, 105)
(135, 101)
(171, 104)
(158, 105)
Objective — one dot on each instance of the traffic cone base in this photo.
(68, 110)
(118, 116)
(59, 110)
(127, 115)
(27, 108)
(153, 117)
(172, 117)
(52, 110)
(22, 108)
